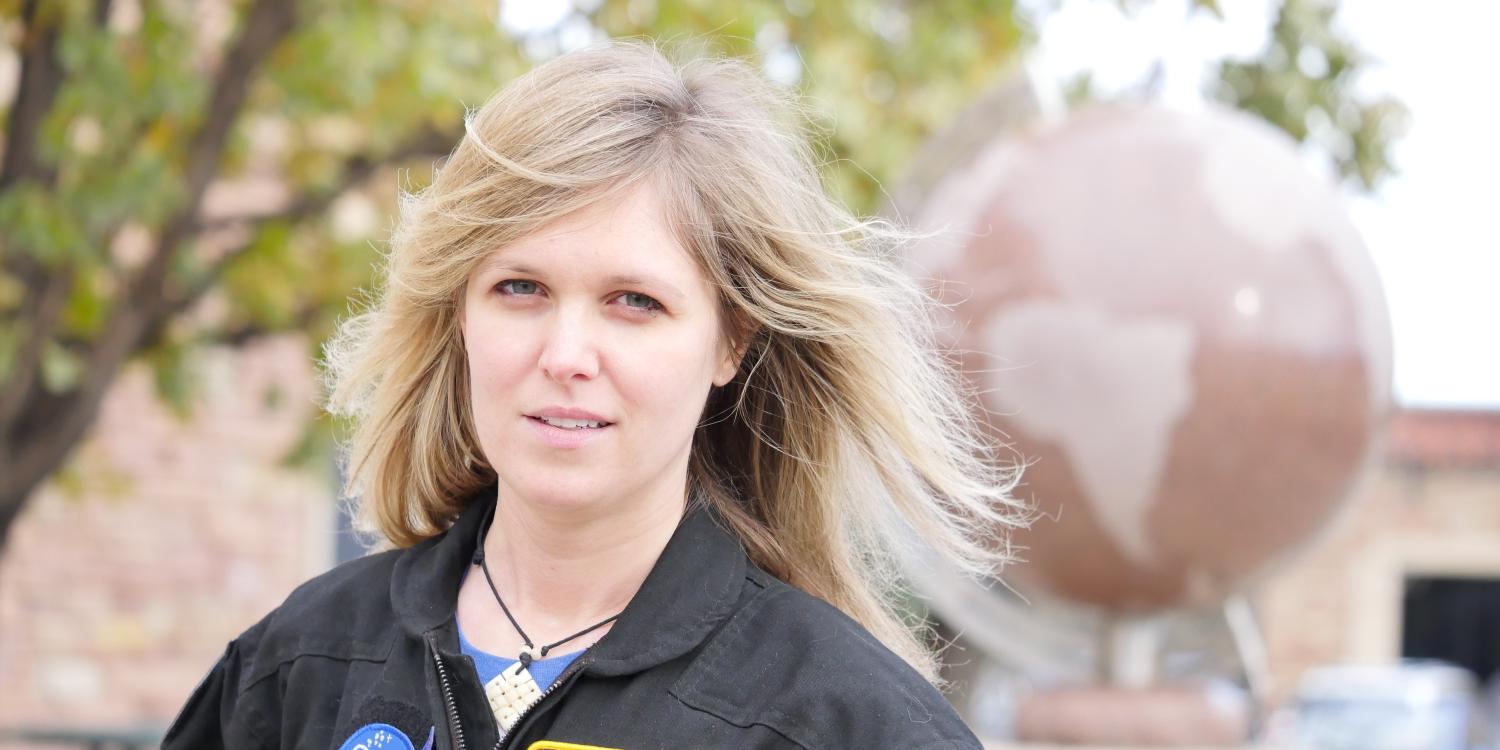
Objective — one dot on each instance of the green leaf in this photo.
(9, 339)
(171, 374)
(61, 369)
(36, 225)
(89, 302)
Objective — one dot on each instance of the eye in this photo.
(517, 286)
(639, 301)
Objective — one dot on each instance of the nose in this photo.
(569, 350)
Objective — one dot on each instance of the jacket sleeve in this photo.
(220, 714)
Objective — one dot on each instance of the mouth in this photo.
(571, 424)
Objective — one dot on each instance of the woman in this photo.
(647, 418)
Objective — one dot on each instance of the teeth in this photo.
(571, 424)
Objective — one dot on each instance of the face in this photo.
(592, 345)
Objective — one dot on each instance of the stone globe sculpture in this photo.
(1177, 324)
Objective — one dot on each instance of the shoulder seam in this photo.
(371, 652)
(786, 726)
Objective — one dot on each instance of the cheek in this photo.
(671, 378)
(494, 367)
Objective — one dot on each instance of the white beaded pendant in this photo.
(511, 693)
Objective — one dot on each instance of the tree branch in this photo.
(45, 292)
(41, 77)
(243, 334)
(27, 365)
(267, 23)
(426, 143)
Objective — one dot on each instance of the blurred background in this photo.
(1223, 271)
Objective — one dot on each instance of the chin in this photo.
(567, 491)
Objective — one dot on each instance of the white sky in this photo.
(1427, 229)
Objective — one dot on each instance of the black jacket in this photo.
(711, 653)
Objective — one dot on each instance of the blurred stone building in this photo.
(1413, 569)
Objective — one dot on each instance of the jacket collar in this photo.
(689, 592)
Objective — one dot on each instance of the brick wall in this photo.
(122, 582)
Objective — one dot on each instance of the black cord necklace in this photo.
(514, 691)
(531, 652)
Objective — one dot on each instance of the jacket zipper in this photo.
(455, 730)
(562, 679)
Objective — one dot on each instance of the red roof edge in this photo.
(1444, 438)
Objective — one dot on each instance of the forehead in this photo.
(622, 237)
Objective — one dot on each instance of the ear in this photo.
(733, 353)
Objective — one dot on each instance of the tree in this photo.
(129, 117)
(1304, 84)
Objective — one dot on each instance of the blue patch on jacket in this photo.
(380, 737)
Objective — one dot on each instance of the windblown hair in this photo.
(846, 433)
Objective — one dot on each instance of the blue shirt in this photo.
(544, 671)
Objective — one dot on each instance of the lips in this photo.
(573, 424)
(567, 428)
(570, 418)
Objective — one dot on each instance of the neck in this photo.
(562, 569)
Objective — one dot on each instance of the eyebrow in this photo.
(651, 282)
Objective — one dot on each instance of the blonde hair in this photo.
(845, 433)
